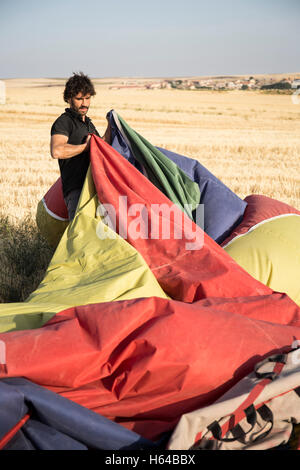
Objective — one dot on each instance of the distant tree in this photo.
(277, 86)
(244, 87)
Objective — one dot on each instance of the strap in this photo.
(278, 359)
(237, 431)
(266, 414)
(10, 434)
(229, 426)
(239, 434)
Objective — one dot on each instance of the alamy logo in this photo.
(3, 367)
(153, 221)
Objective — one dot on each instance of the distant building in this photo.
(166, 84)
(296, 84)
(231, 85)
(154, 86)
(2, 92)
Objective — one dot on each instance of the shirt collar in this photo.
(77, 115)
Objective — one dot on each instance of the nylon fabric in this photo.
(275, 402)
(55, 202)
(259, 208)
(184, 273)
(163, 172)
(50, 227)
(271, 254)
(223, 209)
(56, 423)
(127, 360)
(84, 269)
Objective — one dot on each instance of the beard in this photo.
(79, 109)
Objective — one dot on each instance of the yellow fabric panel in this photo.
(271, 254)
(84, 270)
(51, 228)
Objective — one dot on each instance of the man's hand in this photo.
(87, 142)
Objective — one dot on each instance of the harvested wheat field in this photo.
(248, 139)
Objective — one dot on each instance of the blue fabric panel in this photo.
(223, 209)
(59, 423)
(44, 437)
(119, 143)
(19, 442)
(12, 407)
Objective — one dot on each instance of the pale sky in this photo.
(155, 38)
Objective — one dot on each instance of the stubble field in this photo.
(250, 140)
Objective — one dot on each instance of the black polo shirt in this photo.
(73, 170)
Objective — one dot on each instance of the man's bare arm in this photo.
(59, 148)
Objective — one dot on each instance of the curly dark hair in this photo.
(78, 83)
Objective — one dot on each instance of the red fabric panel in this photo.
(184, 274)
(145, 362)
(259, 208)
(54, 200)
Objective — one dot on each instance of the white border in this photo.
(55, 216)
(258, 225)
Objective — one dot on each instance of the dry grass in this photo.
(250, 140)
(25, 255)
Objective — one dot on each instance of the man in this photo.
(70, 138)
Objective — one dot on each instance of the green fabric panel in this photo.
(85, 269)
(162, 172)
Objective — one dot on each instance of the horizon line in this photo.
(140, 77)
